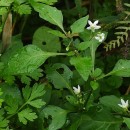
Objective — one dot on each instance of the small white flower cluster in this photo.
(100, 37)
(93, 26)
(76, 90)
(124, 104)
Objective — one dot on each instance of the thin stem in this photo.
(93, 57)
(103, 76)
(67, 4)
(24, 23)
(85, 104)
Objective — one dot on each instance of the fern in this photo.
(121, 33)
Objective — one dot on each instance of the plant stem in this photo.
(103, 76)
(90, 92)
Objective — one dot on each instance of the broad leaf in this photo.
(94, 85)
(122, 68)
(127, 121)
(26, 115)
(100, 120)
(28, 59)
(50, 14)
(111, 102)
(45, 40)
(84, 45)
(58, 116)
(59, 75)
(79, 25)
(83, 65)
(57, 33)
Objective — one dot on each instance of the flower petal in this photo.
(127, 103)
(78, 88)
(89, 28)
(90, 23)
(97, 27)
(120, 105)
(96, 22)
(122, 102)
(74, 88)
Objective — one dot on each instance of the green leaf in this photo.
(122, 68)
(94, 85)
(58, 116)
(25, 79)
(26, 92)
(114, 81)
(36, 74)
(31, 94)
(38, 103)
(72, 100)
(45, 40)
(1, 100)
(79, 25)
(50, 14)
(15, 46)
(12, 105)
(37, 91)
(57, 33)
(49, 2)
(99, 120)
(127, 121)
(3, 122)
(84, 45)
(97, 72)
(20, 1)
(59, 75)
(23, 9)
(83, 65)
(3, 10)
(111, 102)
(74, 125)
(6, 2)
(11, 91)
(28, 59)
(26, 115)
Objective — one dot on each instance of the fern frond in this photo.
(122, 31)
(126, 4)
(124, 22)
(121, 38)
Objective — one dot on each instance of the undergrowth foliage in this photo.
(60, 81)
(123, 31)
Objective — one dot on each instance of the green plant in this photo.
(60, 81)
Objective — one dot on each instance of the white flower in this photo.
(100, 37)
(76, 90)
(93, 26)
(124, 104)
